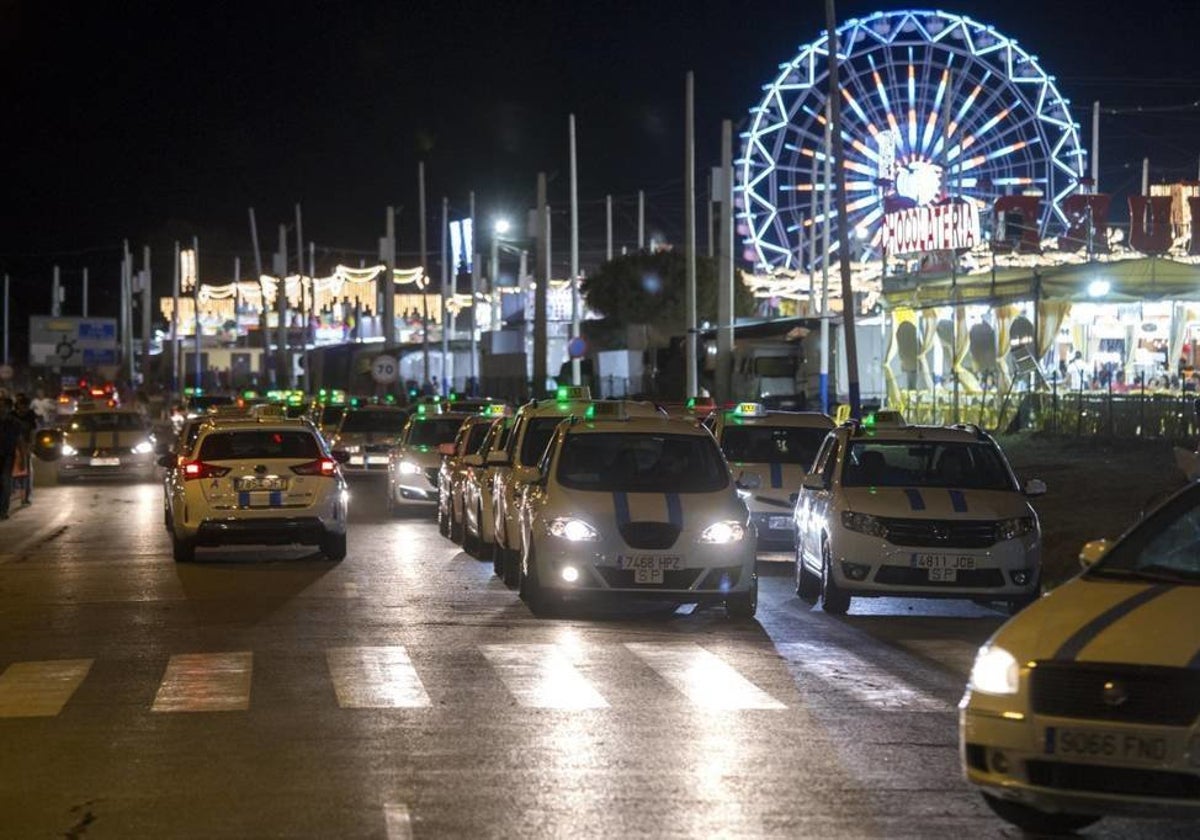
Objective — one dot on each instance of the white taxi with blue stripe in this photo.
(634, 506)
(769, 453)
(1088, 702)
(258, 482)
(928, 511)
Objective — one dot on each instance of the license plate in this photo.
(106, 462)
(779, 523)
(943, 561)
(943, 575)
(1130, 747)
(356, 460)
(272, 482)
(376, 459)
(651, 562)
(647, 576)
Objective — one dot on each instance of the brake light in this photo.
(199, 469)
(98, 392)
(321, 466)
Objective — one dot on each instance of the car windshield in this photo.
(107, 423)
(641, 463)
(1163, 546)
(331, 414)
(925, 463)
(432, 431)
(259, 443)
(356, 422)
(537, 436)
(772, 444)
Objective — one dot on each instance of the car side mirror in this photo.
(446, 448)
(526, 475)
(473, 460)
(498, 458)
(168, 460)
(340, 455)
(813, 481)
(749, 482)
(1093, 551)
(1035, 487)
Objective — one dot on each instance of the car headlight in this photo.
(143, 448)
(864, 523)
(409, 468)
(995, 671)
(723, 533)
(1007, 529)
(68, 449)
(569, 528)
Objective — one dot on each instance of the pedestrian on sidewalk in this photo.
(11, 442)
(23, 411)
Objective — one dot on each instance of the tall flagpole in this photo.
(689, 232)
(423, 281)
(576, 370)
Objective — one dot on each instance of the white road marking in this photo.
(704, 677)
(543, 677)
(205, 682)
(40, 689)
(398, 821)
(958, 655)
(869, 684)
(375, 678)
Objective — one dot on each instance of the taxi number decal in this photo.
(1132, 747)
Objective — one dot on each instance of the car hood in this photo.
(1091, 620)
(109, 439)
(935, 503)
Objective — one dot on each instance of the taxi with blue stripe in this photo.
(632, 504)
(1088, 703)
(915, 511)
(258, 482)
(769, 453)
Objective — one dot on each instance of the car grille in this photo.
(908, 576)
(1126, 781)
(1153, 695)
(624, 578)
(940, 533)
(653, 535)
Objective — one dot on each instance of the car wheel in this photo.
(834, 600)
(743, 606)
(443, 521)
(184, 551)
(497, 560)
(1033, 821)
(333, 546)
(456, 528)
(808, 585)
(512, 568)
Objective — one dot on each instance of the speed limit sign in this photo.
(384, 370)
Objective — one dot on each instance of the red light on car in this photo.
(199, 469)
(321, 466)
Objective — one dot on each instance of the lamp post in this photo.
(500, 227)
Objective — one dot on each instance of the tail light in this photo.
(321, 466)
(199, 469)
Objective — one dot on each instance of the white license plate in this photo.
(650, 562)
(647, 576)
(779, 523)
(943, 561)
(376, 459)
(106, 462)
(1129, 747)
(356, 460)
(943, 575)
(265, 483)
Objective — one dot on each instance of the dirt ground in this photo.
(1095, 488)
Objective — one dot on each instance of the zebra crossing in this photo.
(536, 676)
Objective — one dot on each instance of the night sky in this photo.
(158, 121)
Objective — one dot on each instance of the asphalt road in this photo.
(406, 693)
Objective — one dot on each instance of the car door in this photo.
(814, 505)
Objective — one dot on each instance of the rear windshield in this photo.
(107, 423)
(431, 431)
(203, 403)
(374, 421)
(772, 444)
(537, 436)
(899, 463)
(641, 463)
(259, 443)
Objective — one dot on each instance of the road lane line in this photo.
(868, 683)
(398, 821)
(705, 678)
(205, 682)
(40, 689)
(542, 677)
(375, 678)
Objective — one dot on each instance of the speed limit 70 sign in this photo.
(384, 370)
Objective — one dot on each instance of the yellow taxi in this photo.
(1087, 703)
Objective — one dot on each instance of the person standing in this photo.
(11, 442)
(29, 422)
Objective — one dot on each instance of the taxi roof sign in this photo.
(750, 409)
(887, 418)
(494, 410)
(567, 393)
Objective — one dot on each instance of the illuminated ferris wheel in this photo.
(934, 105)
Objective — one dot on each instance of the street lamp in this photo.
(500, 226)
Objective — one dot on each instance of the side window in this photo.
(510, 446)
(818, 464)
(830, 465)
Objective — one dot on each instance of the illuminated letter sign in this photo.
(1150, 223)
(934, 227)
(1019, 228)
(1081, 211)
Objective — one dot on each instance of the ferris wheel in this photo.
(934, 105)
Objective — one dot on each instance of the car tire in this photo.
(808, 585)
(456, 528)
(512, 568)
(743, 606)
(834, 599)
(497, 560)
(333, 546)
(1032, 821)
(443, 519)
(184, 551)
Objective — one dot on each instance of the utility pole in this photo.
(835, 99)
(85, 292)
(689, 232)
(725, 272)
(127, 313)
(309, 307)
(576, 369)
(196, 290)
(473, 384)
(1096, 146)
(262, 296)
(422, 281)
(445, 296)
(146, 372)
(5, 319)
(641, 220)
(608, 248)
(55, 304)
(541, 294)
(388, 282)
(826, 211)
(283, 352)
(175, 345)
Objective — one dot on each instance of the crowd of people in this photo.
(20, 418)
